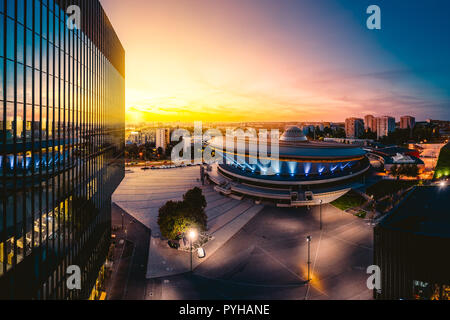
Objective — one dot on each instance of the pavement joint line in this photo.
(280, 263)
(244, 212)
(247, 284)
(225, 212)
(351, 243)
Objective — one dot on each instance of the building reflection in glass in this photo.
(61, 151)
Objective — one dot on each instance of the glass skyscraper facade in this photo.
(62, 109)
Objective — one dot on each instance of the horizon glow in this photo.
(264, 60)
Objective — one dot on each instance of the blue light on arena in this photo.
(276, 166)
(292, 168)
(344, 166)
(333, 168)
(263, 170)
(321, 169)
(307, 167)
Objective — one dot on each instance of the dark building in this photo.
(412, 247)
(62, 110)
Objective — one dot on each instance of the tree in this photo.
(411, 171)
(195, 199)
(176, 217)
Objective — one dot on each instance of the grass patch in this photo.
(443, 165)
(349, 200)
(388, 187)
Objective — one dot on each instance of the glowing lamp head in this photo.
(192, 234)
(308, 238)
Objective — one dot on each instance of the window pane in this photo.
(20, 93)
(10, 39)
(20, 11)
(10, 80)
(2, 34)
(20, 44)
(37, 17)
(29, 48)
(2, 68)
(30, 14)
(10, 8)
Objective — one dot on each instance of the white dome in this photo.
(293, 134)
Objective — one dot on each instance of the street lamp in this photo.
(192, 237)
(308, 239)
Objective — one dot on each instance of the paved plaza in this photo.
(263, 256)
(142, 193)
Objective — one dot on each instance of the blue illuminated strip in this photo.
(292, 168)
(321, 169)
(307, 168)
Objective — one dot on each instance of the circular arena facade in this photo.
(303, 172)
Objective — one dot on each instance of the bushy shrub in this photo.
(176, 217)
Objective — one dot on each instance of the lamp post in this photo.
(122, 220)
(192, 236)
(308, 239)
(321, 201)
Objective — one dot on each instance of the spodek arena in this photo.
(305, 173)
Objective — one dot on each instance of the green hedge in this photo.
(443, 165)
(349, 200)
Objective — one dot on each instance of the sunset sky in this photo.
(283, 60)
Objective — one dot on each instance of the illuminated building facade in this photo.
(385, 125)
(354, 127)
(304, 173)
(62, 108)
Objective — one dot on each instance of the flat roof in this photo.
(304, 150)
(424, 211)
(392, 151)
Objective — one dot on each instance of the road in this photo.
(131, 256)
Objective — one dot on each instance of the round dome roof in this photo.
(293, 134)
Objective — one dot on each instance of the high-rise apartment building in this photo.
(407, 122)
(162, 138)
(62, 108)
(385, 125)
(354, 127)
(370, 123)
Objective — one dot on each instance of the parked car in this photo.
(201, 253)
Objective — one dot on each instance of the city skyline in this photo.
(220, 61)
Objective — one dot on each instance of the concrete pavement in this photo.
(143, 193)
